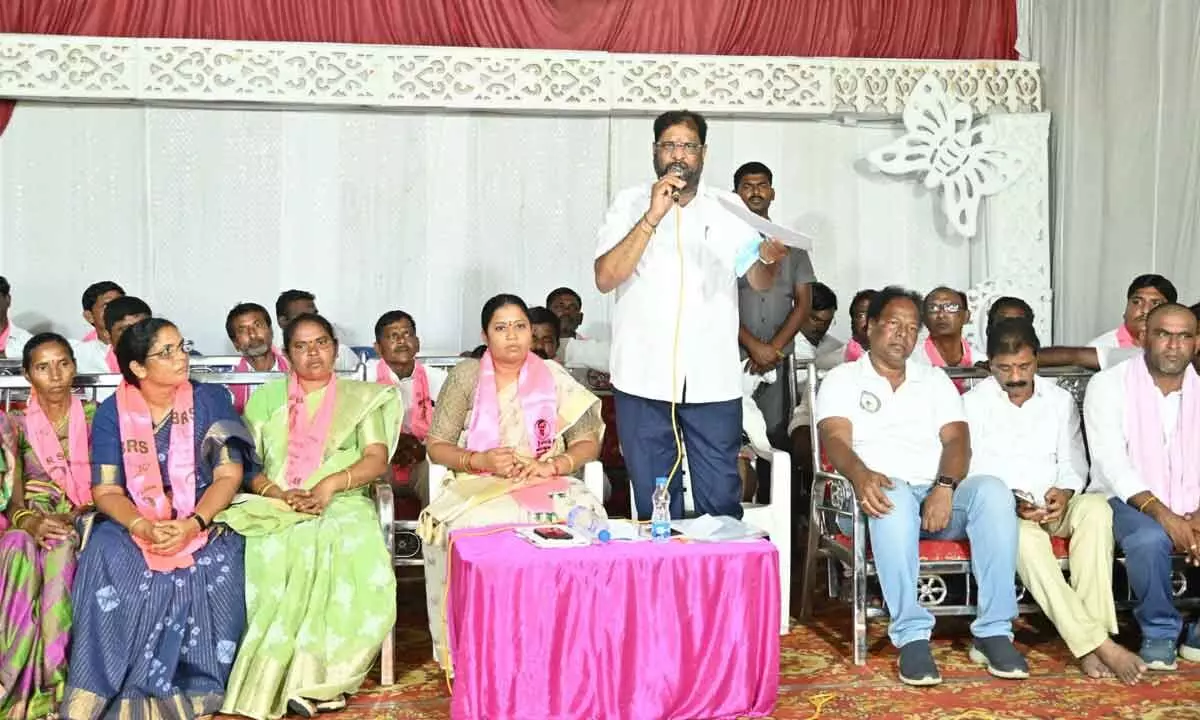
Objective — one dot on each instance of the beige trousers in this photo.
(1083, 611)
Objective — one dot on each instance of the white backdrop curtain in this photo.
(1122, 82)
(198, 209)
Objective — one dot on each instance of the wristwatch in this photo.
(944, 481)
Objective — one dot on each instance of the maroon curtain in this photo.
(943, 29)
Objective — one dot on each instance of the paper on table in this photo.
(788, 237)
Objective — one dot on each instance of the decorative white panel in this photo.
(383, 76)
(1017, 225)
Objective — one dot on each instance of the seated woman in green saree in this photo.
(511, 429)
(320, 588)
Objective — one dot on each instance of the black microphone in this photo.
(678, 172)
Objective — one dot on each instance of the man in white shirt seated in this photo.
(945, 313)
(1145, 293)
(96, 297)
(545, 326)
(248, 326)
(1142, 419)
(91, 351)
(574, 348)
(1026, 431)
(895, 428)
(397, 343)
(12, 338)
(292, 303)
(813, 344)
(673, 254)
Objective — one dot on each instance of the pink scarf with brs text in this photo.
(1125, 338)
(935, 358)
(1170, 469)
(72, 474)
(418, 417)
(143, 477)
(307, 436)
(241, 393)
(539, 404)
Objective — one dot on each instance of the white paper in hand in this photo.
(791, 238)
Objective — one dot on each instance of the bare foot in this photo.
(1127, 666)
(1094, 667)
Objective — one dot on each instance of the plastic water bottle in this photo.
(660, 517)
(582, 520)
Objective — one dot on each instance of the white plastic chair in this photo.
(774, 518)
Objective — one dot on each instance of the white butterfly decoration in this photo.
(942, 143)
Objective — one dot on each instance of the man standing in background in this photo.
(771, 318)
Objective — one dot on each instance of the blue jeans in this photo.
(984, 512)
(1147, 549)
(712, 436)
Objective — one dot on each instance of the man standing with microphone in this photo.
(673, 255)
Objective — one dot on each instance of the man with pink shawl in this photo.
(1142, 417)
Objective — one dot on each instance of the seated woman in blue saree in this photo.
(158, 604)
(47, 487)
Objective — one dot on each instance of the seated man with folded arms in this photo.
(1142, 419)
(895, 428)
(1025, 430)
(397, 343)
(248, 326)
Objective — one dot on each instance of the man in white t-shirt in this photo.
(1026, 431)
(1142, 418)
(397, 343)
(673, 254)
(895, 428)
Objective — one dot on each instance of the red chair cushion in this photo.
(953, 550)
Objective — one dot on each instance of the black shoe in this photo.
(917, 666)
(303, 707)
(1000, 656)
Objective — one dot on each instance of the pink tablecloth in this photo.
(624, 631)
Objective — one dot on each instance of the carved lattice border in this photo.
(57, 67)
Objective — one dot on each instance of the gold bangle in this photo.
(1143, 506)
(570, 463)
(469, 455)
(133, 524)
(349, 477)
(20, 516)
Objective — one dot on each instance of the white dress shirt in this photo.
(717, 248)
(1104, 415)
(828, 354)
(896, 433)
(588, 352)
(91, 357)
(17, 338)
(436, 377)
(1107, 340)
(1033, 447)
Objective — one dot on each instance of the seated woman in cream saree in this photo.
(320, 587)
(510, 428)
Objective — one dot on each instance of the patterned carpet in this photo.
(817, 673)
